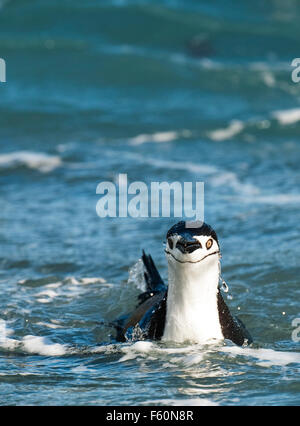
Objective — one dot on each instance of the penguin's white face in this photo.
(188, 248)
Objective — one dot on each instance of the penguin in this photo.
(191, 307)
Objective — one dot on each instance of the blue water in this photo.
(163, 91)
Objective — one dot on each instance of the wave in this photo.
(170, 356)
(159, 137)
(265, 357)
(286, 117)
(182, 402)
(70, 287)
(29, 344)
(214, 175)
(234, 127)
(44, 163)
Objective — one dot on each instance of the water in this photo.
(162, 91)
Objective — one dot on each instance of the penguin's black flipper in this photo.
(232, 327)
(149, 302)
(153, 279)
(154, 282)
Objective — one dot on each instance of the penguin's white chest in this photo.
(192, 310)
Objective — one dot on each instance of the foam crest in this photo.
(140, 348)
(214, 175)
(6, 342)
(30, 344)
(33, 160)
(42, 346)
(265, 357)
(159, 137)
(202, 402)
(286, 117)
(69, 287)
(234, 127)
(187, 355)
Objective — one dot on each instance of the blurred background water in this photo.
(163, 91)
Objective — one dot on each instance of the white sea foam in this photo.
(182, 402)
(42, 346)
(47, 295)
(82, 369)
(193, 359)
(268, 78)
(170, 164)
(54, 285)
(33, 160)
(6, 342)
(183, 165)
(85, 281)
(50, 293)
(160, 137)
(289, 116)
(112, 348)
(180, 350)
(49, 325)
(4, 330)
(139, 348)
(93, 280)
(265, 357)
(44, 300)
(192, 355)
(230, 179)
(30, 344)
(70, 287)
(235, 127)
(188, 355)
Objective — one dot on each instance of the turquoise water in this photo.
(163, 91)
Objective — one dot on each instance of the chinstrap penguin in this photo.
(191, 308)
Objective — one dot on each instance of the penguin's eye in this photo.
(170, 242)
(209, 243)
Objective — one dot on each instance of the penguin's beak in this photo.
(187, 245)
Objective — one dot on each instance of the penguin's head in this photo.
(192, 245)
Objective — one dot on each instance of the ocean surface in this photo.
(163, 90)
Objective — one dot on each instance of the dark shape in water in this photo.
(199, 46)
